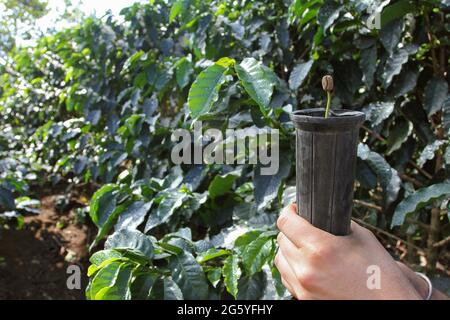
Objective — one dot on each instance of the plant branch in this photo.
(433, 237)
(442, 243)
(414, 181)
(367, 205)
(390, 235)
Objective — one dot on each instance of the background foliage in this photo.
(97, 105)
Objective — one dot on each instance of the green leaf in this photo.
(119, 290)
(107, 225)
(328, 14)
(414, 112)
(348, 79)
(133, 59)
(130, 239)
(435, 94)
(429, 152)
(214, 276)
(142, 284)
(398, 135)
(395, 62)
(171, 290)
(377, 112)
(172, 200)
(391, 34)
(226, 62)
(396, 10)
(184, 70)
(257, 80)
(418, 200)
(103, 204)
(252, 287)
(406, 81)
(299, 74)
(231, 274)
(166, 289)
(178, 8)
(170, 248)
(189, 276)
(242, 241)
(368, 64)
(221, 184)
(100, 256)
(387, 176)
(279, 287)
(205, 89)
(256, 253)
(211, 254)
(103, 210)
(105, 278)
(266, 186)
(134, 124)
(133, 216)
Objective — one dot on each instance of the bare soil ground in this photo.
(35, 259)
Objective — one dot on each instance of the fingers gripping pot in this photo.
(325, 162)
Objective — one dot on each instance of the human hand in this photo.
(315, 264)
(420, 284)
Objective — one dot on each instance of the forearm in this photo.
(420, 284)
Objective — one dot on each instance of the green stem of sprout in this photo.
(328, 103)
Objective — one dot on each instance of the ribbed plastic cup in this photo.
(325, 162)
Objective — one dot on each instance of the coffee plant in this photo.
(98, 103)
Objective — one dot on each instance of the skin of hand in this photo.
(315, 264)
(420, 284)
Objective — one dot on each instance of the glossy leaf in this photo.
(171, 201)
(214, 276)
(256, 253)
(133, 216)
(390, 34)
(395, 62)
(231, 274)
(221, 184)
(377, 112)
(211, 254)
(132, 240)
(435, 94)
(205, 89)
(252, 287)
(429, 152)
(189, 276)
(368, 64)
(257, 81)
(418, 200)
(328, 13)
(387, 176)
(266, 186)
(398, 135)
(299, 74)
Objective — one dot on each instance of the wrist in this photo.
(419, 283)
(424, 286)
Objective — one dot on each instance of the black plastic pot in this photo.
(325, 161)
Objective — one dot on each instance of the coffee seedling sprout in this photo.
(327, 85)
